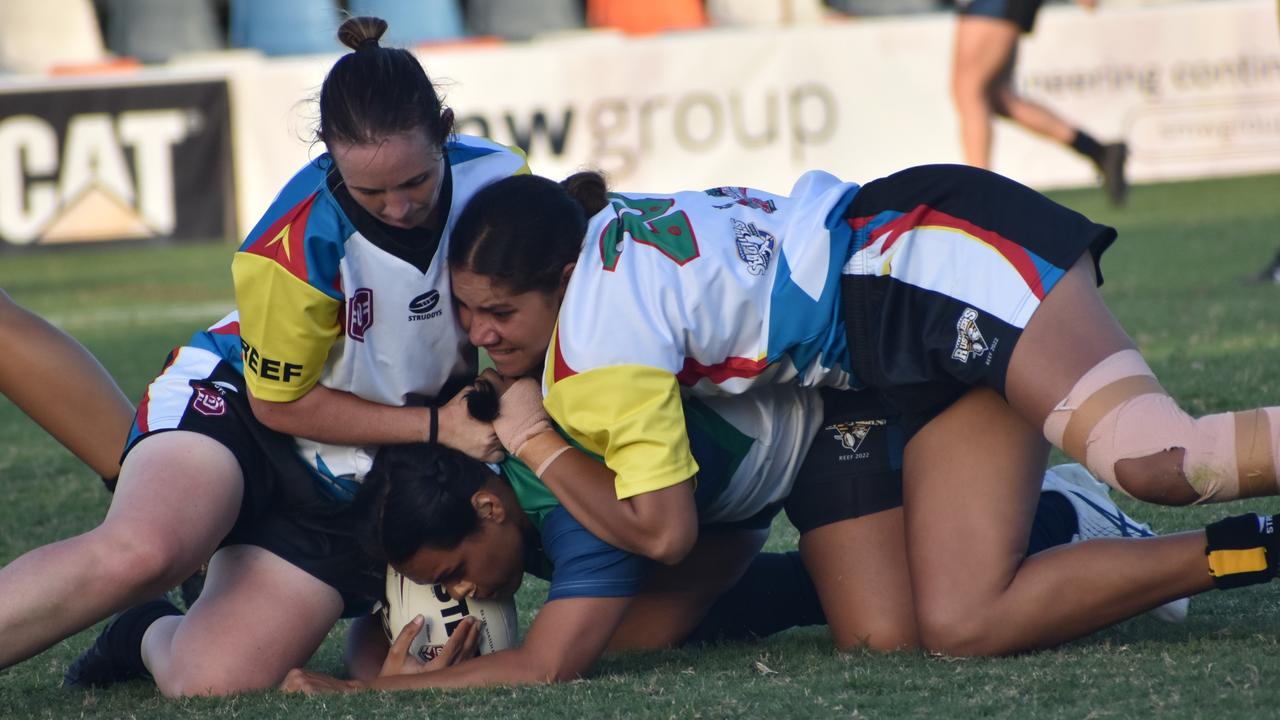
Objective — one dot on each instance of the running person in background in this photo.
(439, 517)
(927, 286)
(57, 383)
(986, 50)
(248, 446)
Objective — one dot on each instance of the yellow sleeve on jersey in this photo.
(286, 326)
(632, 416)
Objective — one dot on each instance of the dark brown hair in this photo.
(523, 230)
(375, 91)
(416, 496)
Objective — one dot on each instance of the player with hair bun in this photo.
(968, 302)
(248, 447)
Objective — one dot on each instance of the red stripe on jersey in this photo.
(560, 369)
(143, 425)
(693, 371)
(923, 215)
(231, 328)
(284, 241)
(141, 422)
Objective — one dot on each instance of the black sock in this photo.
(775, 593)
(1055, 522)
(1084, 144)
(125, 638)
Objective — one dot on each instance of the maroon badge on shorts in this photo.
(209, 402)
(359, 313)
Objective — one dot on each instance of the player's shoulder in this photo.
(469, 149)
(476, 162)
(304, 209)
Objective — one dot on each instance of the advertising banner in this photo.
(104, 161)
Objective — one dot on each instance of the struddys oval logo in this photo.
(423, 307)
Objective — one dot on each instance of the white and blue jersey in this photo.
(327, 295)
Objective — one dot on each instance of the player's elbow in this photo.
(671, 544)
(278, 416)
(667, 524)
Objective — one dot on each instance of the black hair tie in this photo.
(369, 44)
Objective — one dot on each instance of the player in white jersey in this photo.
(344, 338)
(440, 518)
(923, 285)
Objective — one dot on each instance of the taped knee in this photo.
(1117, 411)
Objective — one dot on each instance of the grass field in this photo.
(1175, 281)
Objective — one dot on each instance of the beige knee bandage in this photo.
(1117, 411)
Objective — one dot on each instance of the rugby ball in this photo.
(407, 599)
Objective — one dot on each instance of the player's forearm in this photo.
(661, 525)
(332, 416)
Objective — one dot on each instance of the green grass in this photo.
(1174, 280)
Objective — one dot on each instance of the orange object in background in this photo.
(643, 17)
(106, 66)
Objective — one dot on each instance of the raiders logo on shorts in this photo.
(852, 437)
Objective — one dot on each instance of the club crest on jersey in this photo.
(741, 196)
(755, 246)
(359, 313)
(969, 340)
(208, 402)
(424, 307)
(852, 435)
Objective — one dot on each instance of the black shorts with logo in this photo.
(283, 510)
(949, 263)
(854, 465)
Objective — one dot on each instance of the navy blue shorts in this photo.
(283, 510)
(854, 465)
(1019, 12)
(949, 264)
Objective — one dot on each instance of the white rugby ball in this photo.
(406, 600)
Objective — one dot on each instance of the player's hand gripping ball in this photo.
(406, 599)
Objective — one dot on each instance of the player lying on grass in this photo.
(441, 518)
(968, 301)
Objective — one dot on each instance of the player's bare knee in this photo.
(137, 559)
(998, 99)
(196, 680)
(882, 637)
(953, 629)
(192, 674)
(1156, 478)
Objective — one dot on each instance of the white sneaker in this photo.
(1097, 516)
